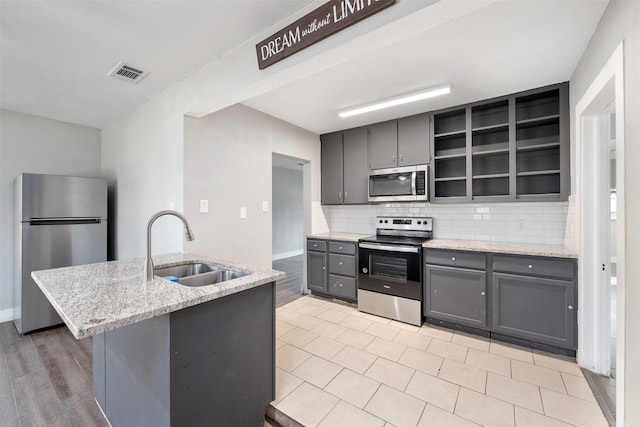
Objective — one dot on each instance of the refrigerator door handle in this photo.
(64, 221)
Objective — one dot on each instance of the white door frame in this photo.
(593, 311)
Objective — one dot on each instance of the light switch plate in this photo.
(204, 206)
(243, 212)
(265, 206)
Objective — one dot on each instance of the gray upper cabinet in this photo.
(344, 167)
(383, 145)
(413, 141)
(403, 142)
(356, 177)
(331, 168)
(506, 149)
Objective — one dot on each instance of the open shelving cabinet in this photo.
(505, 149)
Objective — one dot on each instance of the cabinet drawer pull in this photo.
(570, 307)
(530, 267)
(340, 247)
(386, 286)
(323, 268)
(340, 262)
(453, 259)
(315, 245)
(340, 284)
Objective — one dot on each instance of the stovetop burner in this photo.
(402, 231)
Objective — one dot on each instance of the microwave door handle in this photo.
(413, 183)
(390, 248)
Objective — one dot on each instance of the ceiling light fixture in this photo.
(397, 100)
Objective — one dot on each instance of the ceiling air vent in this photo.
(127, 73)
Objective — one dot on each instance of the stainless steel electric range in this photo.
(390, 268)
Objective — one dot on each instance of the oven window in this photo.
(388, 267)
(397, 184)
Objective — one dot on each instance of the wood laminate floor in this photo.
(289, 289)
(45, 379)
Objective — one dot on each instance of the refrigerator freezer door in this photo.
(56, 196)
(52, 246)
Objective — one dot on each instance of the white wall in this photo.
(287, 212)
(621, 23)
(228, 161)
(142, 152)
(36, 145)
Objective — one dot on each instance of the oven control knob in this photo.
(419, 222)
(365, 270)
(386, 222)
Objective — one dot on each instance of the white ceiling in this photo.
(54, 56)
(505, 47)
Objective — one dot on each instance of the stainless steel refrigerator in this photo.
(60, 222)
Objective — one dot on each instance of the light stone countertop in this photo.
(345, 237)
(95, 298)
(502, 247)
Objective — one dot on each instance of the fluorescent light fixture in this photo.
(397, 100)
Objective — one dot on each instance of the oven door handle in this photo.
(391, 248)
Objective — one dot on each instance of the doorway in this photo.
(287, 237)
(600, 165)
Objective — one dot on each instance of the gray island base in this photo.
(165, 354)
(210, 364)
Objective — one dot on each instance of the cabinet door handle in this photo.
(401, 158)
(393, 158)
(482, 293)
(323, 268)
(345, 195)
(340, 195)
(570, 307)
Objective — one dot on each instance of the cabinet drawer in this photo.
(477, 261)
(342, 286)
(342, 264)
(342, 248)
(316, 245)
(535, 266)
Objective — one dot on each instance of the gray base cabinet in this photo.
(453, 291)
(526, 298)
(210, 364)
(535, 298)
(331, 268)
(317, 265)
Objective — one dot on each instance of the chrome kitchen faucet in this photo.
(148, 265)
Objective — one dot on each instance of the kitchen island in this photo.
(167, 354)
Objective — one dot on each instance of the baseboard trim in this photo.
(283, 255)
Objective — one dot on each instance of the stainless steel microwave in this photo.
(405, 184)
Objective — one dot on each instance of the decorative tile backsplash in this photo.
(542, 223)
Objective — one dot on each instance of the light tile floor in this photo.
(336, 366)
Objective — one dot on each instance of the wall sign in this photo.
(329, 18)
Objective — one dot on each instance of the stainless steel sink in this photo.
(211, 277)
(184, 270)
(199, 274)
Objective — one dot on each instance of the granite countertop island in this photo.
(95, 298)
(168, 354)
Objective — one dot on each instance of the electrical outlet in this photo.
(265, 206)
(243, 212)
(204, 206)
